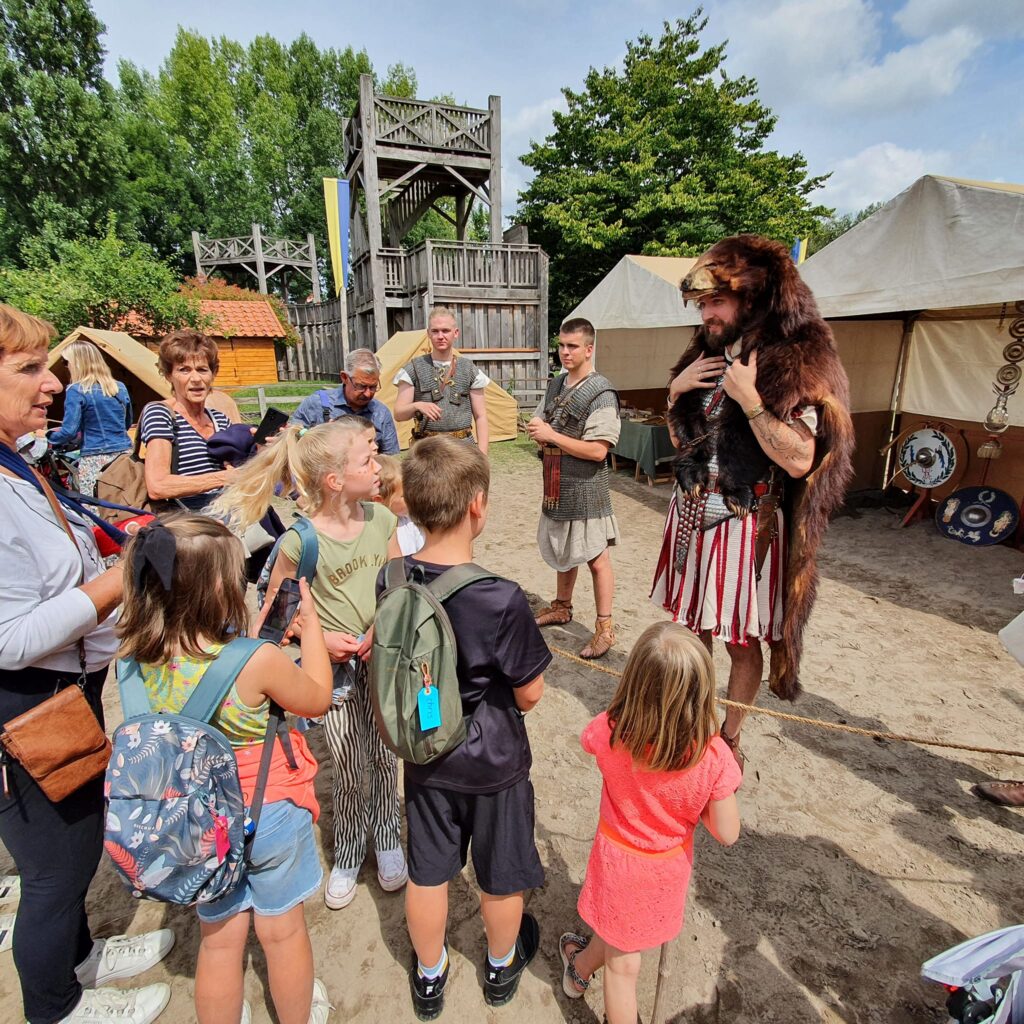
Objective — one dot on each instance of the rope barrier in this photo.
(874, 734)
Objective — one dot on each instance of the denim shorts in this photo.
(284, 870)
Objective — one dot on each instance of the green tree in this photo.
(664, 157)
(60, 151)
(830, 228)
(99, 283)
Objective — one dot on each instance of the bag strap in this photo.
(134, 699)
(277, 729)
(325, 404)
(309, 551)
(394, 573)
(210, 691)
(452, 580)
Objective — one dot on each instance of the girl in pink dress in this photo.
(664, 769)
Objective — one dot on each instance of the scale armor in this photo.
(583, 491)
(456, 410)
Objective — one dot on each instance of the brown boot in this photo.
(602, 640)
(558, 613)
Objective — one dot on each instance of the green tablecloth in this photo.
(646, 444)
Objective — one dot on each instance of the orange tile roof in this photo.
(242, 319)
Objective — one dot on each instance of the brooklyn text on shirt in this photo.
(339, 575)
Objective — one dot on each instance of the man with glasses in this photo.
(360, 381)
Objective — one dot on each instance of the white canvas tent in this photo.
(642, 324)
(915, 295)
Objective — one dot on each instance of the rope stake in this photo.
(874, 734)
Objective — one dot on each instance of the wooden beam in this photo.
(413, 156)
(371, 196)
(314, 276)
(197, 249)
(479, 193)
(261, 270)
(447, 216)
(402, 180)
(494, 181)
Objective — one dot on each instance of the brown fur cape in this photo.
(797, 364)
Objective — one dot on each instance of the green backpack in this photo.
(413, 683)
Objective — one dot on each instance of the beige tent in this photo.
(920, 296)
(502, 410)
(129, 362)
(642, 325)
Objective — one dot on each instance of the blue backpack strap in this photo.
(210, 691)
(134, 699)
(309, 552)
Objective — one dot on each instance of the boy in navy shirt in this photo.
(478, 796)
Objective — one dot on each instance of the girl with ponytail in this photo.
(332, 466)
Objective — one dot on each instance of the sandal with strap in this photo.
(572, 984)
(733, 743)
(603, 639)
(558, 613)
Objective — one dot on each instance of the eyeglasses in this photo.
(366, 389)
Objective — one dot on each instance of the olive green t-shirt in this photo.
(346, 571)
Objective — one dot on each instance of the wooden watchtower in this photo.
(402, 157)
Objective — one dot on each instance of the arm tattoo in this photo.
(782, 442)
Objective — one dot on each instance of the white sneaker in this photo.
(392, 872)
(123, 956)
(321, 1007)
(341, 887)
(10, 888)
(127, 1006)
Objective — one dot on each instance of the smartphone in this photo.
(273, 420)
(282, 611)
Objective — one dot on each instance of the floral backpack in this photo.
(177, 828)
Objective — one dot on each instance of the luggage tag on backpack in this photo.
(427, 702)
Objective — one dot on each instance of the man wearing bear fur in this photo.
(759, 410)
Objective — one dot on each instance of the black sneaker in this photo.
(428, 993)
(500, 983)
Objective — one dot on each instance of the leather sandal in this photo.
(733, 743)
(572, 984)
(558, 613)
(603, 639)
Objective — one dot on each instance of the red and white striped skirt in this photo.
(718, 589)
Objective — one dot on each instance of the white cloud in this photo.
(995, 18)
(878, 173)
(914, 74)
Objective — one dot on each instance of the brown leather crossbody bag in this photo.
(59, 742)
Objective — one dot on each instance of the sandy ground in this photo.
(858, 859)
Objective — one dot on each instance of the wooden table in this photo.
(646, 444)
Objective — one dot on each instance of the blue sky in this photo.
(878, 92)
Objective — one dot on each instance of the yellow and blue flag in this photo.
(336, 200)
(799, 251)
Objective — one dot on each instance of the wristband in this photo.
(754, 411)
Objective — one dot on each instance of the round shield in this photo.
(977, 515)
(927, 457)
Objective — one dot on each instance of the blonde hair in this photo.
(663, 711)
(88, 367)
(439, 311)
(206, 602)
(299, 459)
(21, 332)
(390, 476)
(441, 476)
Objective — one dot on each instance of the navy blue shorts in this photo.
(444, 824)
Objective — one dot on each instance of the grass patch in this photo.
(506, 454)
(295, 389)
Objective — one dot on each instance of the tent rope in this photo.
(818, 723)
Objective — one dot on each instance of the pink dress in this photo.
(634, 895)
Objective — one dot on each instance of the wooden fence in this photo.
(321, 355)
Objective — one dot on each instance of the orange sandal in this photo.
(558, 613)
(603, 639)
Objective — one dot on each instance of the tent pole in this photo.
(898, 385)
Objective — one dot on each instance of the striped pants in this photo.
(356, 747)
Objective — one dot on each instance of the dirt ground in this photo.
(858, 859)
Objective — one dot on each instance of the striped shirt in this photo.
(193, 453)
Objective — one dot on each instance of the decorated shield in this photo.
(927, 457)
(977, 515)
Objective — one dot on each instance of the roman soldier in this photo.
(759, 410)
